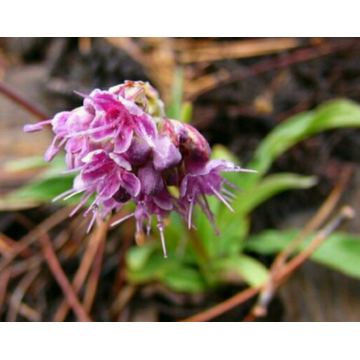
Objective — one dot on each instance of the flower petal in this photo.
(166, 154)
(151, 180)
(130, 183)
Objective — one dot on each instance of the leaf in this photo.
(244, 267)
(172, 272)
(186, 112)
(44, 189)
(184, 279)
(136, 257)
(176, 103)
(270, 186)
(341, 251)
(330, 115)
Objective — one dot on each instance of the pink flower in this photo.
(125, 149)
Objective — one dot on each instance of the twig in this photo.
(62, 280)
(35, 234)
(19, 293)
(29, 313)
(318, 220)
(94, 276)
(224, 306)
(279, 62)
(345, 213)
(20, 100)
(87, 261)
(4, 281)
(284, 272)
(236, 50)
(260, 308)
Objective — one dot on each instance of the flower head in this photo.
(125, 149)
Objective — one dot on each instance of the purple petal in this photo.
(130, 183)
(151, 180)
(138, 152)
(59, 122)
(110, 186)
(123, 139)
(163, 200)
(119, 160)
(106, 126)
(79, 120)
(166, 154)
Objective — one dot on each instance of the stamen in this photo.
(81, 204)
(70, 171)
(161, 230)
(209, 214)
(91, 222)
(221, 198)
(62, 195)
(191, 208)
(73, 194)
(93, 131)
(227, 192)
(148, 226)
(36, 127)
(232, 185)
(122, 219)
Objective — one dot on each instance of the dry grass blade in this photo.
(260, 308)
(237, 50)
(281, 276)
(29, 313)
(20, 100)
(62, 280)
(94, 276)
(96, 239)
(19, 293)
(35, 234)
(4, 281)
(318, 220)
(267, 65)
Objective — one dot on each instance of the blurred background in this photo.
(240, 89)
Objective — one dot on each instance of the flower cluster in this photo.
(125, 149)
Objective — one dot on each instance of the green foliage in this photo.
(199, 259)
(341, 251)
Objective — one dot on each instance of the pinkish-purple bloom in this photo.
(125, 149)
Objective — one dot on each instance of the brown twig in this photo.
(29, 313)
(20, 100)
(94, 276)
(19, 293)
(318, 220)
(282, 275)
(4, 281)
(62, 280)
(267, 65)
(35, 234)
(96, 238)
(236, 50)
(260, 308)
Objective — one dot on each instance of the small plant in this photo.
(125, 149)
(198, 260)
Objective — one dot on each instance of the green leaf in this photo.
(341, 251)
(176, 103)
(186, 112)
(244, 268)
(269, 187)
(330, 115)
(184, 279)
(44, 189)
(172, 272)
(137, 256)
